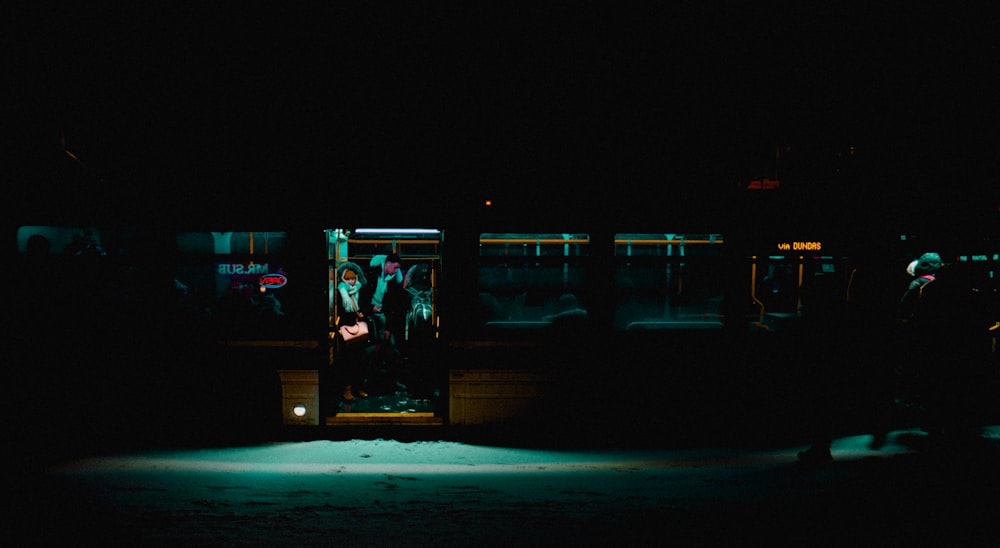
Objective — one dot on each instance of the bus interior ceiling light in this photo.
(397, 231)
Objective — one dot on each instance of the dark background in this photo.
(568, 116)
(230, 110)
(642, 116)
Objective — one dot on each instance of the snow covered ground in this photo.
(441, 493)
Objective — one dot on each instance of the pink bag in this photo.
(354, 333)
(358, 331)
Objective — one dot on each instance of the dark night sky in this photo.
(480, 99)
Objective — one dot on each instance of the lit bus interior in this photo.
(777, 283)
(984, 274)
(398, 393)
(420, 251)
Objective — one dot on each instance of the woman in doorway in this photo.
(351, 357)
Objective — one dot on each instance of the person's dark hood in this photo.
(928, 263)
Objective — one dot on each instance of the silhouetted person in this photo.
(387, 306)
(825, 360)
(949, 336)
(569, 323)
(421, 372)
(41, 299)
(270, 317)
(37, 274)
(84, 245)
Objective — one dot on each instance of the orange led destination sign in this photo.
(800, 246)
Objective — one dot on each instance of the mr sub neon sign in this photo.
(240, 269)
(243, 271)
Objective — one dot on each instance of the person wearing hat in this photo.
(924, 271)
(351, 278)
(948, 343)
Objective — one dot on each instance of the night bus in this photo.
(508, 325)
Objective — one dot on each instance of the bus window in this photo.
(84, 273)
(778, 283)
(668, 281)
(61, 240)
(236, 283)
(530, 281)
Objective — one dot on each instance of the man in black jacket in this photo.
(387, 306)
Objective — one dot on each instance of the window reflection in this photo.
(530, 281)
(236, 283)
(668, 281)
